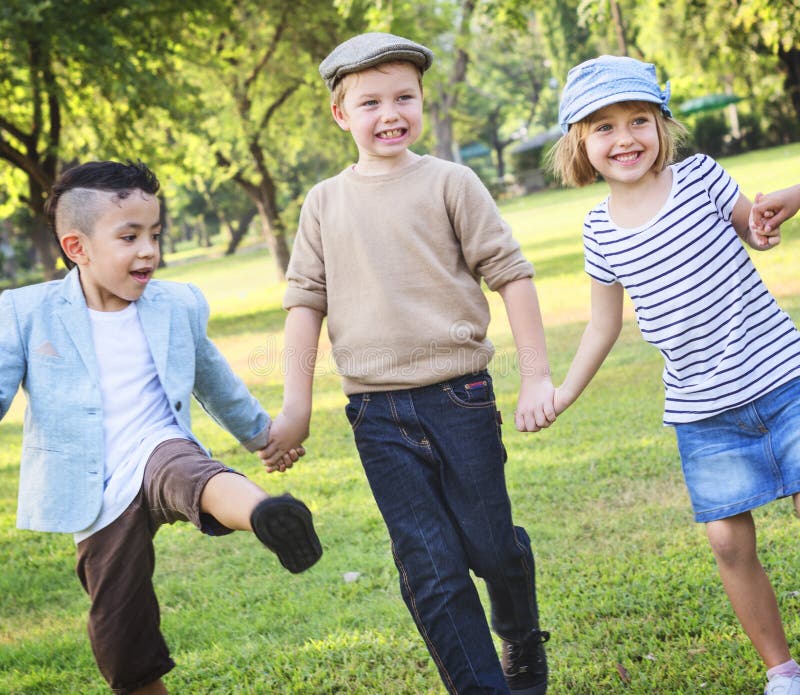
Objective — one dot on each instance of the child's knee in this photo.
(732, 543)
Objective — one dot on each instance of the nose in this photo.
(624, 135)
(148, 248)
(389, 114)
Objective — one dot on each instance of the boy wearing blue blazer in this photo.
(108, 359)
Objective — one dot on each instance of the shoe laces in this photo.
(528, 643)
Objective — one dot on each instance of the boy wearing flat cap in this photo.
(392, 251)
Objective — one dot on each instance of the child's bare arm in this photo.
(771, 210)
(535, 403)
(291, 427)
(599, 337)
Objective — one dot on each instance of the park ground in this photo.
(627, 584)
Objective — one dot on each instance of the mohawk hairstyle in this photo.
(105, 176)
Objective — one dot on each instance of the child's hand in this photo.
(535, 409)
(771, 210)
(764, 230)
(278, 462)
(560, 401)
(284, 447)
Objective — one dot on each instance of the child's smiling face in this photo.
(622, 142)
(382, 109)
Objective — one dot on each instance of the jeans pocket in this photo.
(471, 392)
(355, 409)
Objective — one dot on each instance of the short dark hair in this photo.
(104, 176)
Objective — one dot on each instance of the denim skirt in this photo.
(744, 457)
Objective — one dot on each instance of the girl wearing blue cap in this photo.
(672, 235)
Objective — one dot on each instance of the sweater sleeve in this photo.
(486, 239)
(305, 276)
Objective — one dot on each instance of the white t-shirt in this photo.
(136, 414)
(697, 295)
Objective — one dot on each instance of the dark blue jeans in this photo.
(434, 458)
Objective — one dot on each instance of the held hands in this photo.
(770, 211)
(560, 400)
(763, 233)
(286, 436)
(535, 409)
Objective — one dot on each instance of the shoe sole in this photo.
(285, 526)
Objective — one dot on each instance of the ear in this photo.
(340, 116)
(72, 243)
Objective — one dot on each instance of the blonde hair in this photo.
(568, 159)
(339, 91)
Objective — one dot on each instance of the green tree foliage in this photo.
(507, 88)
(74, 79)
(263, 100)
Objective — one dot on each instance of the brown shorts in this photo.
(115, 565)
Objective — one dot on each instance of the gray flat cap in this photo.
(368, 50)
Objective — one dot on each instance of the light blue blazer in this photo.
(46, 345)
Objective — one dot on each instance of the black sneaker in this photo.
(525, 664)
(285, 526)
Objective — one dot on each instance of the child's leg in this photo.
(231, 498)
(281, 523)
(115, 566)
(465, 429)
(182, 483)
(733, 541)
(403, 469)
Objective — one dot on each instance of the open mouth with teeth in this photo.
(391, 134)
(627, 158)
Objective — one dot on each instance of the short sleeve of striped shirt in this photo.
(723, 191)
(594, 261)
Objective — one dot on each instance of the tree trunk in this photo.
(619, 28)
(443, 134)
(263, 196)
(43, 238)
(790, 60)
(44, 244)
(441, 109)
(275, 235)
(237, 234)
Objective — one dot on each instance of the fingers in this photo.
(534, 420)
(275, 460)
(525, 422)
(766, 239)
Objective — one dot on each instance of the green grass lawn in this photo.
(627, 584)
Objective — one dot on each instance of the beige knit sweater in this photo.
(395, 262)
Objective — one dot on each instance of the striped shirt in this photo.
(697, 295)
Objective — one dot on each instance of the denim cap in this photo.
(368, 50)
(608, 80)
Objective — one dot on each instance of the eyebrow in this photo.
(136, 225)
